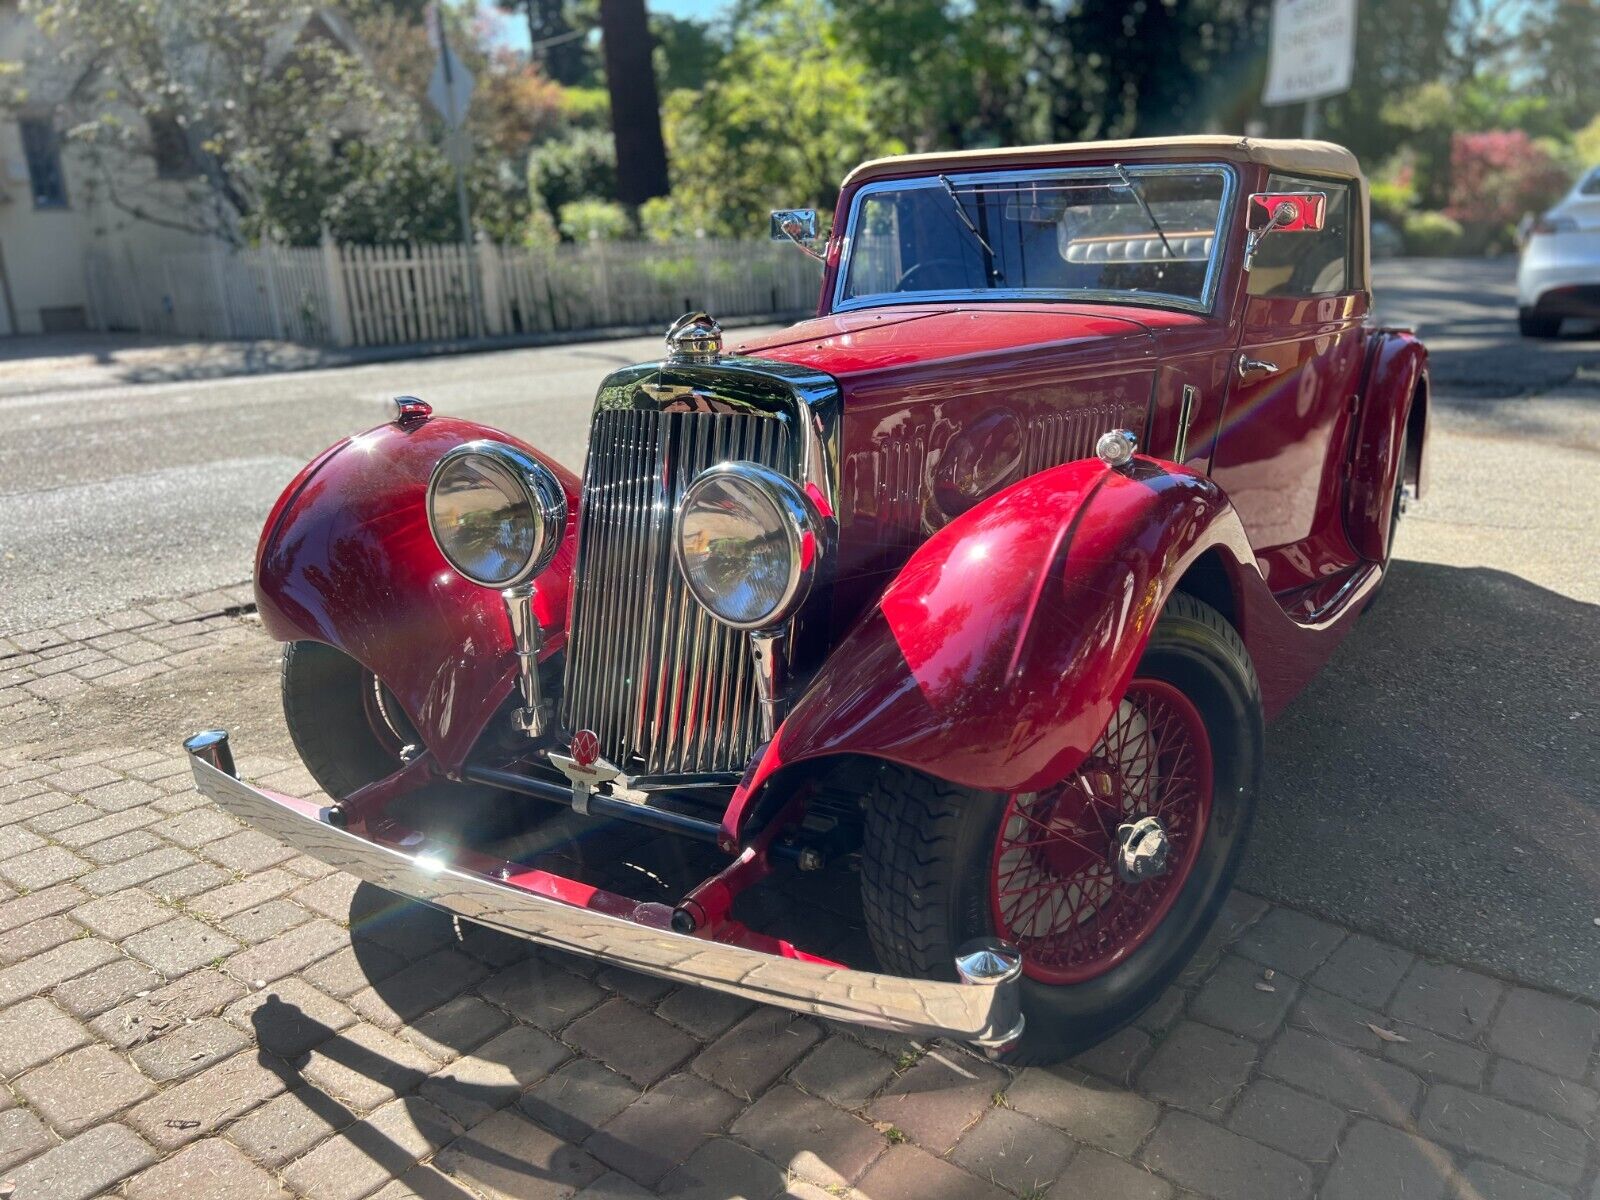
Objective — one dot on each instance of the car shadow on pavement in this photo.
(523, 1087)
(282, 1028)
(604, 1060)
(1438, 783)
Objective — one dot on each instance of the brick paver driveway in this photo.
(188, 1009)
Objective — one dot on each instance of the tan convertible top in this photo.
(1285, 154)
(1293, 155)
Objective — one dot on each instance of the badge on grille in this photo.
(584, 766)
(585, 747)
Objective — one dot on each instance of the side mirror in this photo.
(1282, 212)
(797, 225)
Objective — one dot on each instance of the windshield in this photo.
(1149, 232)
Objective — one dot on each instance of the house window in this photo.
(43, 150)
(169, 145)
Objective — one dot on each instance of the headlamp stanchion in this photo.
(767, 647)
(528, 637)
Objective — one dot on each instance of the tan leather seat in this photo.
(1187, 246)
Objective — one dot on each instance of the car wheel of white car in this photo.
(1533, 324)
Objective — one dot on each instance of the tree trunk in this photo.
(635, 103)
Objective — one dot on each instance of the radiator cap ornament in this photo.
(694, 338)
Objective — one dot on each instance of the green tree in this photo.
(1401, 45)
(557, 40)
(1561, 46)
(794, 107)
(1427, 119)
(953, 75)
(289, 118)
(1586, 144)
(688, 52)
(579, 166)
(231, 92)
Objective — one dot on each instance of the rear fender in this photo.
(996, 657)
(347, 558)
(1396, 384)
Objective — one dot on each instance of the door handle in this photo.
(1252, 366)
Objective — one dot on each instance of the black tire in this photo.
(1532, 324)
(347, 742)
(928, 846)
(1397, 503)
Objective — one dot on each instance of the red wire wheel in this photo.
(1055, 890)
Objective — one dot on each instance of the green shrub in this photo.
(595, 221)
(667, 219)
(539, 230)
(587, 108)
(580, 166)
(1433, 234)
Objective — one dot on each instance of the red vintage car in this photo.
(977, 590)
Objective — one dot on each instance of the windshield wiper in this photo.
(1127, 182)
(961, 211)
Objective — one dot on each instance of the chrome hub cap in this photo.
(1141, 852)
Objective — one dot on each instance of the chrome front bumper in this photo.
(984, 1009)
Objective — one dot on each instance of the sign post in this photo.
(1313, 54)
(450, 91)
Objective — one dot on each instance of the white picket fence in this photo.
(353, 295)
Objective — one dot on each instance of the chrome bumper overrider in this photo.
(984, 1009)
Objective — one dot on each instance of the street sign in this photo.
(1313, 50)
(450, 89)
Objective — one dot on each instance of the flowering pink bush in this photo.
(1497, 176)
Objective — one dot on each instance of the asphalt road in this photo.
(1439, 784)
(116, 495)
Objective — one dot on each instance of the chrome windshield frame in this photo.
(1209, 290)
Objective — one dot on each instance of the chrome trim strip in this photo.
(986, 1012)
(1208, 291)
(1185, 418)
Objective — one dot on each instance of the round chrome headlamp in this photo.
(747, 542)
(496, 512)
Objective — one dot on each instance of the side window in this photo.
(1306, 264)
(42, 148)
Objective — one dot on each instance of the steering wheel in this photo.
(903, 283)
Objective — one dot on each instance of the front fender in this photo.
(997, 655)
(347, 558)
(1396, 383)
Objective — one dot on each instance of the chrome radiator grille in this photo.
(667, 689)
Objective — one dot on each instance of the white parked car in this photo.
(1559, 274)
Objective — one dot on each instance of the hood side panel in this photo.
(941, 423)
(874, 340)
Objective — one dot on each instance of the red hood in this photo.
(869, 340)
